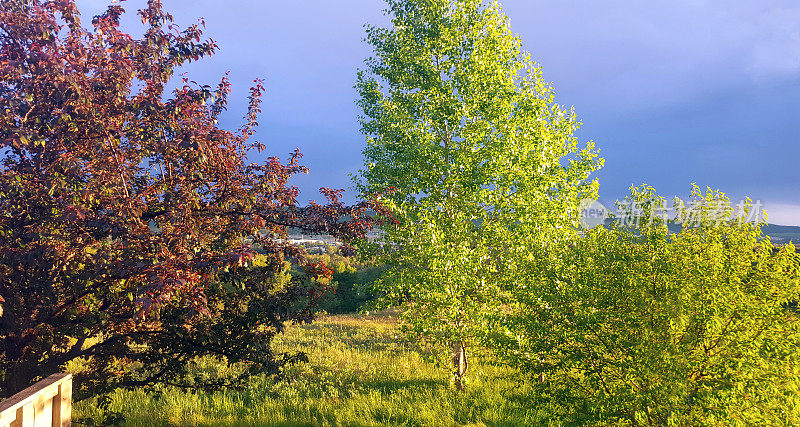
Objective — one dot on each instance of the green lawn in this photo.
(361, 373)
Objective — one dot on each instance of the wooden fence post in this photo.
(46, 403)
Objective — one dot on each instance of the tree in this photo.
(639, 326)
(127, 213)
(480, 159)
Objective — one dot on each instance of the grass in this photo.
(361, 372)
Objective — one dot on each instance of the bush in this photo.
(639, 326)
(351, 284)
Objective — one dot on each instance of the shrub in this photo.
(639, 326)
(351, 285)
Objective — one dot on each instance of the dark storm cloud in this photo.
(673, 92)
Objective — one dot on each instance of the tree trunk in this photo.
(459, 364)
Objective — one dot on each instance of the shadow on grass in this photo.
(275, 424)
(391, 386)
(284, 424)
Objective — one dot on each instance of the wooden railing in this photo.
(46, 403)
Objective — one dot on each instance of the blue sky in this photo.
(672, 92)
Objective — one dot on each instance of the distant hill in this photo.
(780, 234)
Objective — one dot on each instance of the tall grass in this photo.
(361, 373)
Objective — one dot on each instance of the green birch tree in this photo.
(478, 159)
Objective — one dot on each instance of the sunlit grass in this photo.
(362, 372)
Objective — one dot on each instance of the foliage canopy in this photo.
(482, 161)
(125, 207)
(640, 326)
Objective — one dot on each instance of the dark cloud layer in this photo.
(673, 92)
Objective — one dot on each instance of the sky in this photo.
(672, 92)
